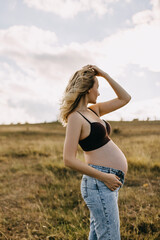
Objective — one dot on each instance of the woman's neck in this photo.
(82, 106)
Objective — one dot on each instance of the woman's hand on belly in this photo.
(112, 181)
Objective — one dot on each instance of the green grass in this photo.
(41, 199)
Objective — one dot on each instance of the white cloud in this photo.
(138, 45)
(25, 97)
(11, 115)
(37, 51)
(157, 84)
(24, 39)
(143, 17)
(42, 67)
(145, 108)
(70, 8)
(38, 54)
(12, 5)
(137, 109)
(148, 16)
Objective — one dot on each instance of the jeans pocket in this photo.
(84, 191)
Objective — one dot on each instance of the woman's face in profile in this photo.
(94, 93)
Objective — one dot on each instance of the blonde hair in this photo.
(77, 87)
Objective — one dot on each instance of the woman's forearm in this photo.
(120, 92)
(84, 168)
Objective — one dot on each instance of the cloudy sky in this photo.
(43, 42)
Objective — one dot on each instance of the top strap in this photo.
(93, 111)
(84, 117)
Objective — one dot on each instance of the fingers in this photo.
(113, 182)
(117, 185)
(113, 189)
(118, 179)
(89, 67)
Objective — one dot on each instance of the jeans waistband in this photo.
(117, 172)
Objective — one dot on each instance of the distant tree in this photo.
(135, 119)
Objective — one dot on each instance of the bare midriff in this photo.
(109, 155)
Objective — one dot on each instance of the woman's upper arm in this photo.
(103, 108)
(111, 105)
(73, 131)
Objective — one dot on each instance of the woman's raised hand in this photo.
(112, 181)
(98, 71)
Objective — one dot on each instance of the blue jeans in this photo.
(103, 205)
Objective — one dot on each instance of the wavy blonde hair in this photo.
(78, 86)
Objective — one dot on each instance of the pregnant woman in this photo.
(105, 165)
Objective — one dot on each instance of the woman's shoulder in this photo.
(74, 116)
(74, 122)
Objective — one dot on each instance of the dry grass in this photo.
(40, 198)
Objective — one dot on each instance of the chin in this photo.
(94, 101)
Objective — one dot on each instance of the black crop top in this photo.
(97, 137)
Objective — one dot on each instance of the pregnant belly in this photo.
(108, 155)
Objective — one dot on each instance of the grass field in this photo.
(41, 199)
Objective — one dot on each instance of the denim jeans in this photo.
(103, 205)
